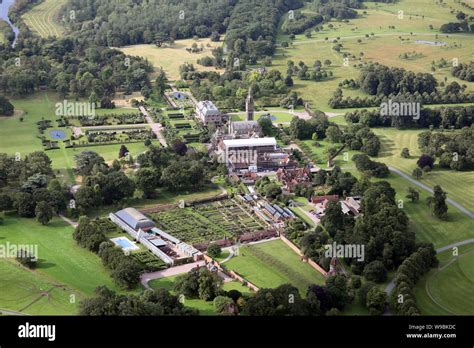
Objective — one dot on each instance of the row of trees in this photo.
(453, 94)
(464, 71)
(444, 117)
(365, 165)
(301, 22)
(125, 270)
(409, 272)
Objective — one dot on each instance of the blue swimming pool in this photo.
(124, 243)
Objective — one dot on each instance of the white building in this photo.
(258, 144)
(207, 112)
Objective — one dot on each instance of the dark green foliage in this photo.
(365, 164)
(6, 108)
(214, 250)
(199, 283)
(150, 303)
(282, 301)
(408, 274)
(89, 234)
(464, 71)
(375, 271)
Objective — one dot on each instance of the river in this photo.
(4, 7)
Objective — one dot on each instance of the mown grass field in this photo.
(204, 307)
(32, 293)
(458, 185)
(383, 47)
(62, 265)
(271, 264)
(16, 136)
(43, 18)
(170, 58)
(449, 290)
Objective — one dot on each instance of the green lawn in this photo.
(458, 185)
(61, 261)
(451, 289)
(271, 264)
(204, 307)
(33, 292)
(16, 136)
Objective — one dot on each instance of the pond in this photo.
(57, 134)
(4, 7)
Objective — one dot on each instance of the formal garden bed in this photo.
(231, 216)
(208, 222)
(188, 226)
(108, 120)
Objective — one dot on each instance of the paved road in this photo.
(155, 127)
(169, 272)
(391, 285)
(13, 313)
(69, 221)
(427, 188)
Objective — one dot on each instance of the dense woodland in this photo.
(70, 68)
(118, 23)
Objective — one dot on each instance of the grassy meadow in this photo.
(170, 58)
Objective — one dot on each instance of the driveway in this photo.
(429, 189)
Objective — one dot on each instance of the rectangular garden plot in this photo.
(208, 222)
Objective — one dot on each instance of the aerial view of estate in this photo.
(237, 158)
